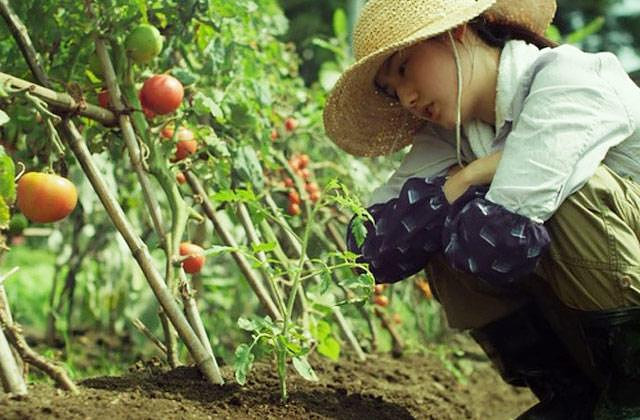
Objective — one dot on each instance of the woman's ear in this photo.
(459, 32)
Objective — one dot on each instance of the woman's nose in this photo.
(408, 98)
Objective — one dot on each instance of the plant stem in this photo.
(61, 101)
(227, 239)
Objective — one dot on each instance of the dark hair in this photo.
(496, 34)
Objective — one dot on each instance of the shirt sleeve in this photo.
(405, 232)
(569, 120)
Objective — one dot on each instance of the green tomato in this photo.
(18, 223)
(144, 43)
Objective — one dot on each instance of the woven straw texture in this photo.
(364, 122)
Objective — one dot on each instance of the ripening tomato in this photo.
(294, 197)
(274, 135)
(293, 209)
(290, 124)
(314, 196)
(45, 198)
(378, 289)
(162, 94)
(181, 178)
(185, 148)
(304, 161)
(288, 182)
(103, 98)
(193, 264)
(381, 300)
(144, 43)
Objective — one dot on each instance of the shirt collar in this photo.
(515, 59)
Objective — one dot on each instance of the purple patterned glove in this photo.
(407, 230)
(485, 239)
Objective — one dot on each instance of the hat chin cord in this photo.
(459, 99)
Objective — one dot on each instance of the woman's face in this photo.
(423, 79)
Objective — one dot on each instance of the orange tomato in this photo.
(45, 198)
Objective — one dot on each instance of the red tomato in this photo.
(103, 98)
(274, 134)
(381, 300)
(162, 94)
(181, 178)
(288, 182)
(290, 124)
(294, 197)
(193, 264)
(304, 173)
(45, 198)
(293, 209)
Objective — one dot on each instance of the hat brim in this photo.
(362, 121)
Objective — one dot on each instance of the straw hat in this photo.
(364, 122)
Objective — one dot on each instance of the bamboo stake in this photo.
(250, 229)
(58, 374)
(295, 244)
(61, 101)
(145, 331)
(119, 219)
(227, 239)
(192, 313)
(12, 380)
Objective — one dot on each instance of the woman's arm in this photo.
(478, 172)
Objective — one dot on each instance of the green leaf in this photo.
(263, 247)
(359, 230)
(330, 348)
(185, 76)
(590, 29)
(340, 24)
(204, 104)
(321, 331)
(242, 362)
(247, 166)
(4, 214)
(247, 324)
(4, 118)
(7, 176)
(224, 196)
(304, 368)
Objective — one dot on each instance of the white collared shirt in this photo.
(560, 112)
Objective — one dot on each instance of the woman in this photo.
(519, 195)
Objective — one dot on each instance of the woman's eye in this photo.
(402, 68)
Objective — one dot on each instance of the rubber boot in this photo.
(613, 337)
(526, 351)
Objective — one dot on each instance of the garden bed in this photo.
(414, 386)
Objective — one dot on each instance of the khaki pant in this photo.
(593, 262)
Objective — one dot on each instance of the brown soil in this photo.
(414, 386)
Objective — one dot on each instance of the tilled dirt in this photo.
(414, 386)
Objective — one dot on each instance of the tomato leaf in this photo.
(330, 347)
(242, 363)
(247, 166)
(4, 118)
(304, 368)
(247, 324)
(7, 175)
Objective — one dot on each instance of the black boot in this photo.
(613, 337)
(527, 352)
